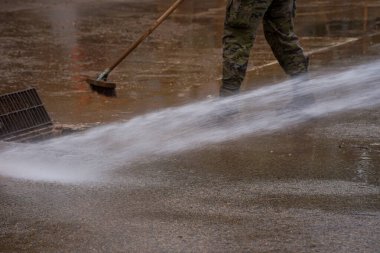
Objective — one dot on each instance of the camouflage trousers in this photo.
(242, 20)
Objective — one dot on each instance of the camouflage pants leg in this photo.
(242, 20)
(279, 33)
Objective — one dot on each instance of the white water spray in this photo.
(89, 156)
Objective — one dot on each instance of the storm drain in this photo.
(23, 117)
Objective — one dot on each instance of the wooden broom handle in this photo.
(146, 34)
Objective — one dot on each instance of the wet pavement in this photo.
(309, 188)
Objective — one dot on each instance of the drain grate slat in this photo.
(21, 112)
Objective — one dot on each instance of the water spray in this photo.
(92, 155)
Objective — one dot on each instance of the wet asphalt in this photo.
(308, 188)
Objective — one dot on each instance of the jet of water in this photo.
(90, 156)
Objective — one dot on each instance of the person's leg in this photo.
(279, 32)
(242, 20)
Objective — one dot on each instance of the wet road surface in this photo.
(309, 188)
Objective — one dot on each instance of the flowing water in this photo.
(91, 156)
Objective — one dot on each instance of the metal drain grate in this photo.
(22, 114)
